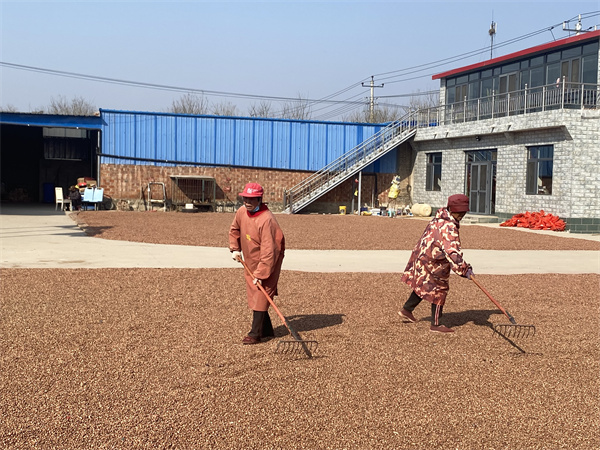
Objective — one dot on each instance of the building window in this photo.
(578, 64)
(434, 172)
(539, 169)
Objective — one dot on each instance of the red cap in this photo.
(252, 190)
(458, 203)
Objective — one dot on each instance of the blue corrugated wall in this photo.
(176, 139)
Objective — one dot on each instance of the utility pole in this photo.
(577, 29)
(372, 102)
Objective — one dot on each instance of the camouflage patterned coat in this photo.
(437, 252)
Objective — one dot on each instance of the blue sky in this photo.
(273, 49)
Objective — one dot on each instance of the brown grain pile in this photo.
(151, 358)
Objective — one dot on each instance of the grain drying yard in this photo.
(152, 357)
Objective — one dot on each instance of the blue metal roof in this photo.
(51, 120)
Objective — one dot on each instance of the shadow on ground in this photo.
(309, 322)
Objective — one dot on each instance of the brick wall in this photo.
(129, 182)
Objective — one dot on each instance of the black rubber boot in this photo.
(267, 329)
(258, 322)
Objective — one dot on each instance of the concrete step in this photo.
(480, 218)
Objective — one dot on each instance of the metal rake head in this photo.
(289, 347)
(514, 331)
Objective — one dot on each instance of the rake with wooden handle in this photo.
(512, 330)
(297, 345)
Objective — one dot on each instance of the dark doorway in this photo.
(481, 181)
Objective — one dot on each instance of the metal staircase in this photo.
(352, 162)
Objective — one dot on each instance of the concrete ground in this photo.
(38, 236)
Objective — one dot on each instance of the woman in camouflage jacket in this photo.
(435, 255)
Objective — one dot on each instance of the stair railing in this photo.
(352, 161)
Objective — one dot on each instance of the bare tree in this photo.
(77, 106)
(387, 113)
(381, 114)
(190, 103)
(8, 108)
(296, 109)
(263, 109)
(224, 109)
(422, 101)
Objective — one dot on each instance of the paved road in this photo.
(39, 237)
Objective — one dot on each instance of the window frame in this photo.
(433, 168)
(539, 177)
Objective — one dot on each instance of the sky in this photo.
(144, 55)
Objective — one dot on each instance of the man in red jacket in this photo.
(256, 235)
(437, 252)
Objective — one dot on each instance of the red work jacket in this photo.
(261, 241)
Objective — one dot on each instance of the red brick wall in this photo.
(129, 182)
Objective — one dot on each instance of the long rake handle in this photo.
(295, 335)
(505, 312)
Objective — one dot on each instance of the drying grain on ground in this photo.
(152, 358)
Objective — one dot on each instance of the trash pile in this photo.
(536, 221)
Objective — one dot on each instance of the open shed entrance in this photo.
(39, 152)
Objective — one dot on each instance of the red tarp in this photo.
(535, 221)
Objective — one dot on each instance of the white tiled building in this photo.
(518, 133)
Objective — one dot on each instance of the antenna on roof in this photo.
(492, 32)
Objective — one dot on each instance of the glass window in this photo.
(486, 73)
(539, 169)
(503, 86)
(575, 66)
(451, 95)
(571, 52)
(473, 90)
(487, 87)
(552, 57)
(482, 155)
(553, 73)
(525, 64)
(537, 77)
(497, 71)
(537, 61)
(564, 70)
(461, 92)
(590, 49)
(450, 82)
(474, 76)
(525, 79)
(510, 68)
(590, 69)
(462, 80)
(434, 172)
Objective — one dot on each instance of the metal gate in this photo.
(197, 190)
